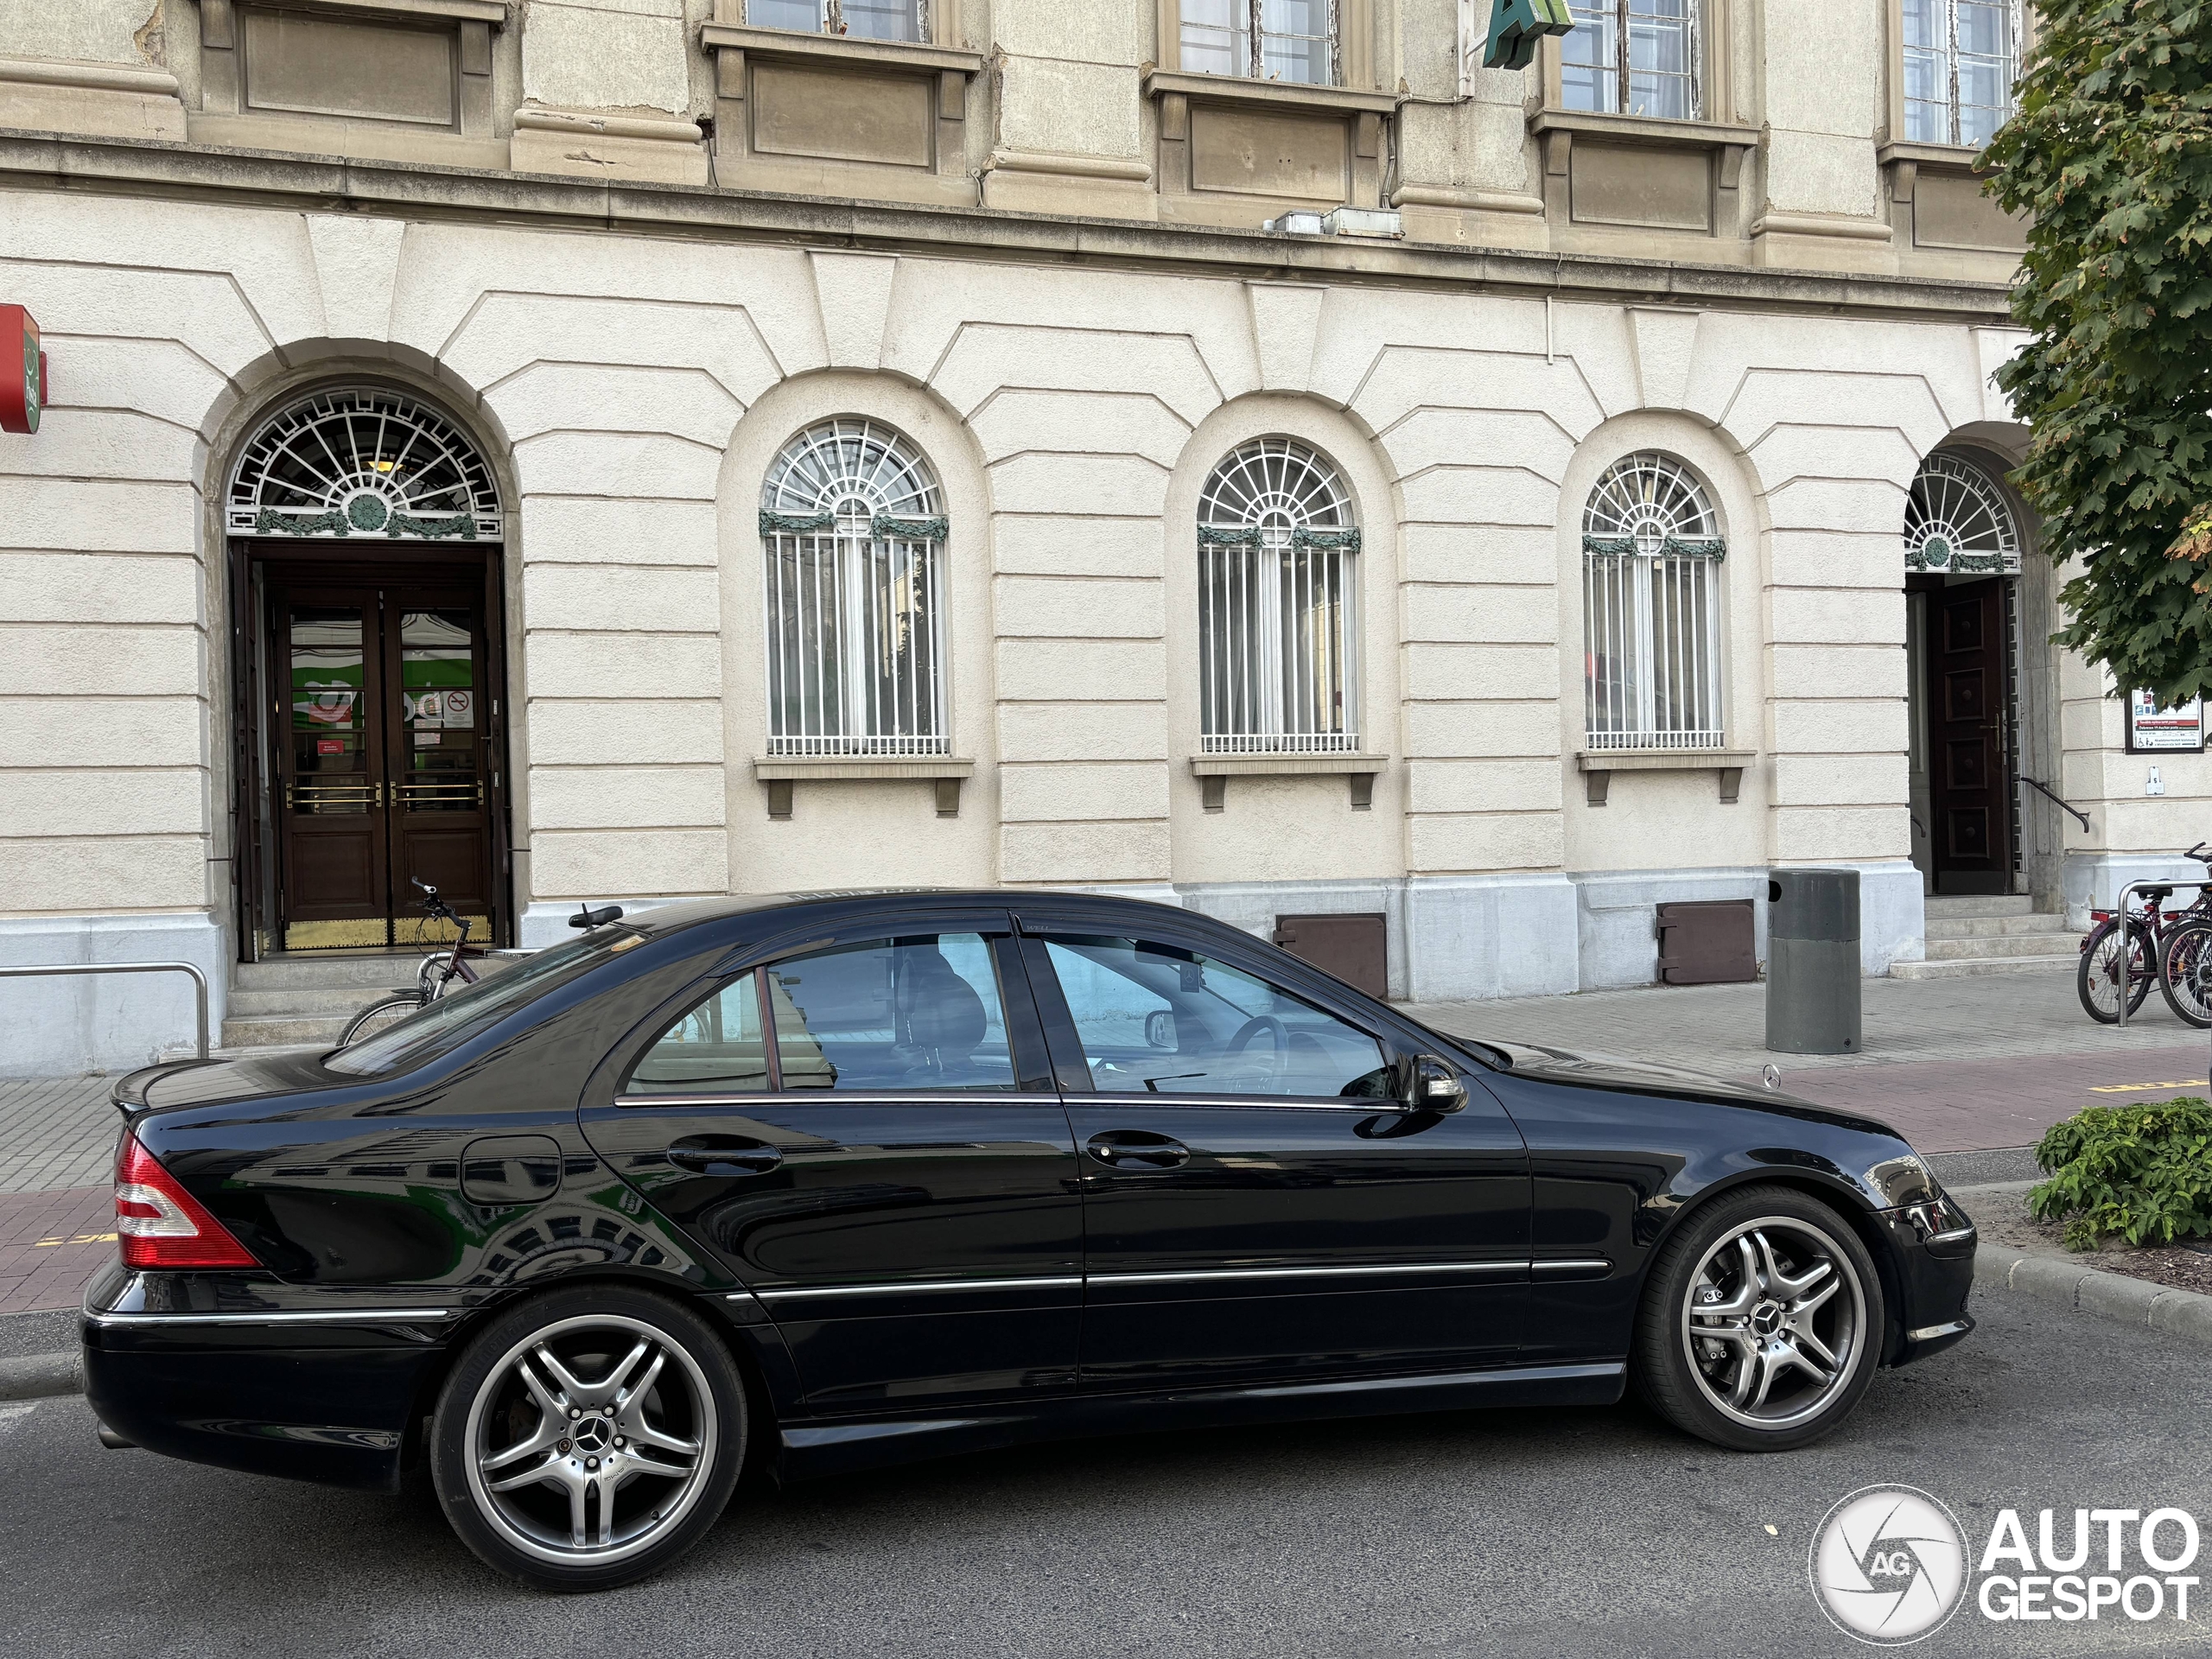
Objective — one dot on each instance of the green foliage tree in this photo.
(2111, 152)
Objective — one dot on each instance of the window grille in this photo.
(1960, 60)
(1278, 610)
(1273, 40)
(853, 530)
(1956, 520)
(362, 461)
(1651, 552)
(1634, 57)
(872, 20)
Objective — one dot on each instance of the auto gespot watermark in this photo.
(1891, 1564)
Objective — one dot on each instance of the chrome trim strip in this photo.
(1304, 1273)
(1928, 1331)
(1951, 1237)
(312, 1316)
(895, 1286)
(837, 1097)
(1594, 1263)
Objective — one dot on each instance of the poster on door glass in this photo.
(2152, 729)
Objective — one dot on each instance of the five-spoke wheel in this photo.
(1761, 1322)
(588, 1438)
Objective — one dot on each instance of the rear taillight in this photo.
(160, 1224)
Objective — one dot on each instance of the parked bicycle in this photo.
(2170, 946)
(437, 974)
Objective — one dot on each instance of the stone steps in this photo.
(1986, 927)
(1992, 904)
(2003, 946)
(1983, 967)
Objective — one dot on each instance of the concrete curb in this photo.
(2088, 1290)
(40, 1375)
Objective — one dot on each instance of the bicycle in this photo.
(2172, 947)
(432, 980)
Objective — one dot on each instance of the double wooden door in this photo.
(381, 754)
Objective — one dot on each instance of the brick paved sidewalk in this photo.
(51, 1242)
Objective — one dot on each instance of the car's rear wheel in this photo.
(1761, 1323)
(588, 1438)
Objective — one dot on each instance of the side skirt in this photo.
(810, 1450)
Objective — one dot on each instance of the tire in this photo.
(1795, 1313)
(615, 1423)
(377, 1016)
(2096, 978)
(2185, 972)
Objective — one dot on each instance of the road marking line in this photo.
(2142, 1088)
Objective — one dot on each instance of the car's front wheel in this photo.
(1761, 1323)
(588, 1438)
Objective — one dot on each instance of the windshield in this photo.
(444, 1025)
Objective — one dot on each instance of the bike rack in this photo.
(199, 980)
(2120, 911)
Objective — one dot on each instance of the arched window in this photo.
(362, 461)
(1278, 557)
(1651, 550)
(852, 529)
(1957, 520)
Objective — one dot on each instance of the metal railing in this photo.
(2079, 816)
(2150, 933)
(199, 980)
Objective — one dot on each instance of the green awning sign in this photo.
(1515, 27)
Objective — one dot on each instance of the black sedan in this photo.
(824, 1182)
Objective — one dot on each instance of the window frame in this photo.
(1647, 637)
(1351, 28)
(926, 22)
(1709, 63)
(2023, 20)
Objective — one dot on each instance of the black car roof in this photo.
(697, 911)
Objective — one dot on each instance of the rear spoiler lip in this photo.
(129, 1095)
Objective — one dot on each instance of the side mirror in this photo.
(1160, 1028)
(1434, 1086)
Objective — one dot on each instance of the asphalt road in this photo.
(1567, 1532)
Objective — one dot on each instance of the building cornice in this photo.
(135, 167)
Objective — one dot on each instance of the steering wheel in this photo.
(1278, 1033)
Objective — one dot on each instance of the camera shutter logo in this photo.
(1889, 1565)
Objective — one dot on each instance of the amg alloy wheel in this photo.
(589, 1438)
(1761, 1325)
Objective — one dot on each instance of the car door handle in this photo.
(718, 1155)
(1137, 1149)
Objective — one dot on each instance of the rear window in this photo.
(444, 1025)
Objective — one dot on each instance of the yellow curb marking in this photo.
(2141, 1088)
(81, 1238)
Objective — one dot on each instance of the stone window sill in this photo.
(1598, 766)
(1645, 130)
(1276, 94)
(1213, 772)
(781, 771)
(793, 46)
(1950, 157)
(494, 12)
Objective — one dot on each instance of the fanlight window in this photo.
(1651, 551)
(1278, 556)
(1955, 520)
(363, 462)
(852, 528)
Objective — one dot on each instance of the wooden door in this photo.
(1969, 790)
(330, 789)
(439, 819)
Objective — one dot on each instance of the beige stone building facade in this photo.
(1241, 451)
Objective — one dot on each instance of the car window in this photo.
(1159, 1019)
(921, 1011)
(441, 1026)
(714, 1047)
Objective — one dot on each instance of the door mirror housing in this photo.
(1432, 1085)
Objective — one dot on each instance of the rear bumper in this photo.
(1934, 1277)
(312, 1394)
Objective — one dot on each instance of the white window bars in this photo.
(852, 530)
(1634, 57)
(1278, 604)
(1956, 520)
(1960, 60)
(1269, 40)
(1651, 550)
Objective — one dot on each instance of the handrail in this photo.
(2080, 815)
(199, 980)
(2150, 934)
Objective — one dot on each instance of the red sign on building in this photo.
(22, 370)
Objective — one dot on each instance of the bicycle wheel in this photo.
(380, 1016)
(2185, 972)
(2096, 981)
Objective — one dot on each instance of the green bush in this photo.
(2142, 1174)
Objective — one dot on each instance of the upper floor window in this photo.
(1278, 557)
(874, 20)
(1634, 57)
(1960, 58)
(852, 530)
(1271, 40)
(1651, 550)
